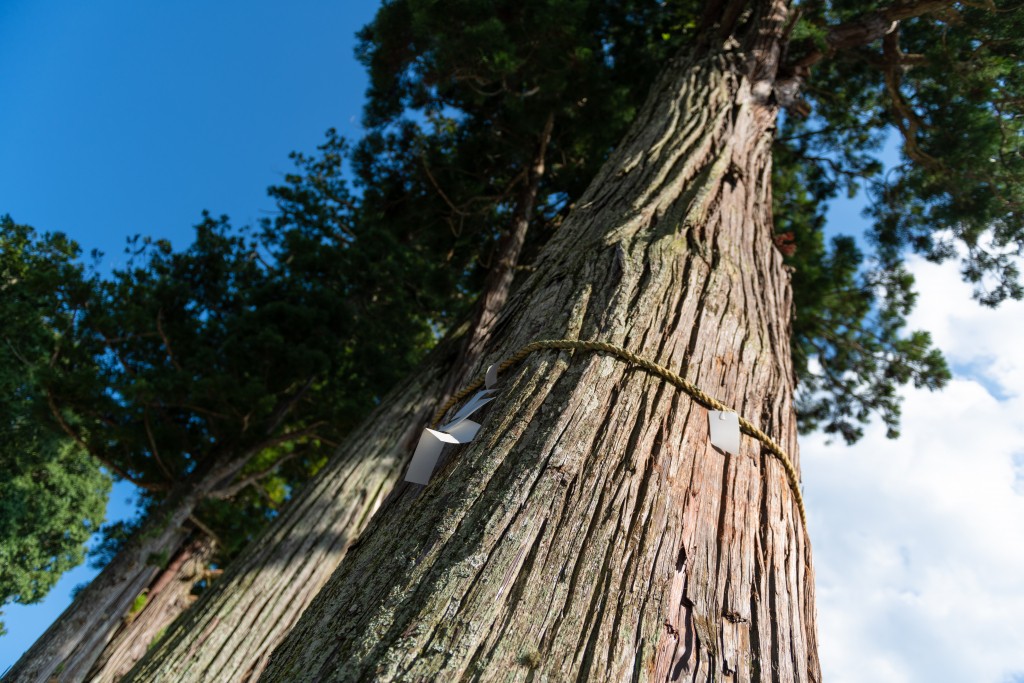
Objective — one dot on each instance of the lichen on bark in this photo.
(590, 521)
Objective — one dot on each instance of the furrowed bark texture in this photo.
(591, 532)
(234, 628)
(168, 596)
(67, 650)
(229, 633)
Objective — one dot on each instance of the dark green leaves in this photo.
(52, 494)
(949, 85)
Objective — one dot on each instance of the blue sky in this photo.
(125, 117)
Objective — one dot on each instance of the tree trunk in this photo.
(168, 596)
(232, 630)
(498, 283)
(591, 532)
(67, 650)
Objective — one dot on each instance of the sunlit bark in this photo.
(591, 532)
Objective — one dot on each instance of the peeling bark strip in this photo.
(168, 597)
(590, 532)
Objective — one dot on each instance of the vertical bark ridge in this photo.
(233, 628)
(169, 596)
(68, 649)
(645, 542)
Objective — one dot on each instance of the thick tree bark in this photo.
(168, 596)
(67, 650)
(230, 633)
(591, 532)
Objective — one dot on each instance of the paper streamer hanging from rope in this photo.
(725, 430)
(722, 434)
(460, 430)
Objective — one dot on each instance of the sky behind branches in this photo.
(123, 118)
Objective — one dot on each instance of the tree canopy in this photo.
(54, 494)
(485, 75)
(267, 344)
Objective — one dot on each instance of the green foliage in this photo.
(960, 191)
(54, 498)
(264, 346)
(459, 100)
(138, 604)
(260, 347)
(850, 350)
(113, 536)
(254, 347)
(156, 638)
(53, 495)
(949, 84)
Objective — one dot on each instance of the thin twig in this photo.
(153, 448)
(205, 529)
(163, 336)
(238, 486)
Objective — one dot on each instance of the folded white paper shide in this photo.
(725, 430)
(459, 430)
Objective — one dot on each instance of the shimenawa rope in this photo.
(664, 373)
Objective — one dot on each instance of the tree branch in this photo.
(906, 119)
(234, 489)
(84, 446)
(867, 29)
(309, 430)
(153, 448)
(17, 355)
(163, 336)
(228, 470)
(231, 469)
(286, 407)
(433, 181)
(205, 529)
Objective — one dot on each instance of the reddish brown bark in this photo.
(168, 596)
(591, 532)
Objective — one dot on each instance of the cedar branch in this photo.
(234, 489)
(868, 28)
(110, 465)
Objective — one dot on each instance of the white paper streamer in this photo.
(425, 457)
(725, 430)
(460, 430)
(479, 400)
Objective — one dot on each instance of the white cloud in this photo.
(919, 542)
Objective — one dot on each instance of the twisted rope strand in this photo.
(664, 373)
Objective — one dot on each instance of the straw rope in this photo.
(664, 373)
